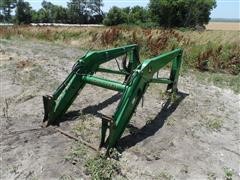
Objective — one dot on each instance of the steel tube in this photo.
(105, 83)
(161, 80)
(112, 71)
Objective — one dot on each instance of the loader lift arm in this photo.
(138, 77)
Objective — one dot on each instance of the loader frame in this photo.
(138, 76)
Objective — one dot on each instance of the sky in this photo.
(229, 9)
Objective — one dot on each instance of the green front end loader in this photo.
(138, 75)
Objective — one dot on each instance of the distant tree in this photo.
(40, 16)
(184, 13)
(126, 10)
(50, 13)
(23, 12)
(116, 16)
(6, 7)
(95, 7)
(126, 14)
(46, 12)
(138, 15)
(77, 11)
(1, 17)
(60, 14)
(96, 13)
(134, 15)
(35, 16)
(85, 11)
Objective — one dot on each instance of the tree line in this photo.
(76, 12)
(165, 13)
(175, 13)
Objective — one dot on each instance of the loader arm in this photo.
(138, 84)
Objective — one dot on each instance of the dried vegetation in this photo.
(214, 51)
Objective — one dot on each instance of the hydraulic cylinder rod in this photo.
(105, 83)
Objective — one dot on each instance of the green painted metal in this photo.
(55, 106)
(108, 84)
(161, 80)
(105, 70)
(138, 76)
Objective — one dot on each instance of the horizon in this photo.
(226, 9)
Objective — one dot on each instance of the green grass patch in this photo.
(214, 124)
(98, 166)
(101, 167)
(220, 80)
(211, 176)
(228, 173)
(165, 176)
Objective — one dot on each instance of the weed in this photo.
(134, 130)
(78, 154)
(207, 51)
(164, 95)
(86, 128)
(149, 121)
(223, 58)
(167, 95)
(184, 169)
(97, 165)
(211, 176)
(171, 122)
(65, 177)
(161, 40)
(14, 169)
(226, 81)
(220, 80)
(110, 35)
(101, 167)
(174, 97)
(165, 176)
(214, 124)
(228, 173)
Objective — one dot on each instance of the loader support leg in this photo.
(126, 108)
(105, 126)
(176, 65)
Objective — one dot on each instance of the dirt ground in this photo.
(196, 137)
(227, 26)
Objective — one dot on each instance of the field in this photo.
(194, 137)
(227, 26)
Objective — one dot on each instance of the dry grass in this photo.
(215, 51)
(226, 26)
(24, 63)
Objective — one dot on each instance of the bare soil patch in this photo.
(196, 137)
(227, 26)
